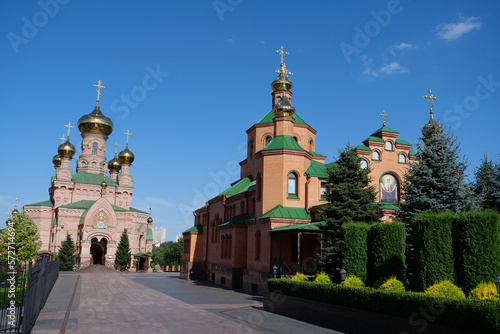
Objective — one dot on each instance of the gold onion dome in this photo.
(150, 220)
(126, 156)
(56, 160)
(282, 82)
(66, 150)
(95, 122)
(114, 164)
(284, 107)
(432, 128)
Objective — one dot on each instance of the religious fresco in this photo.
(388, 188)
(101, 220)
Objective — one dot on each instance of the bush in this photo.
(322, 277)
(446, 289)
(485, 291)
(378, 283)
(387, 250)
(392, 284)
(300, 277)
(476, 238)
(355, 249)
(474, 315)
(354, 281)
(433, 249)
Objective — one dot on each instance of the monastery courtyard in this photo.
(101, 300)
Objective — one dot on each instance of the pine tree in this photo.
(67, 254)
(123, 253)
(487, 185)
(350, 199)
(21, 238)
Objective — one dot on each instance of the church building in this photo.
(94, 208)
(268, 221)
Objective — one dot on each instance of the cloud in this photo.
(262, 42)
(389, 68)
(452, 31)
(400, 47)
(230, 41)
(368, 71)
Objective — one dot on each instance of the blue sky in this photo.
(188, 78)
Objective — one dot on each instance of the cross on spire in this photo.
(69, 126)
(431, 97)
(384, 115)
(98, 90)
(282, 53)
(128, 134)
(15, 208)
(116, 147)
(63, 139)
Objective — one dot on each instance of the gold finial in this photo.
(63, 139)
(98, 90)
(116, 147)
(431, 97)
(282, 53)
(128, 134)
(283, 69)
(384, 115)
(15, 208)
(69, 126)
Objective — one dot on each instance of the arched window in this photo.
(257, 244)
(230, 245)
(268, 140)
(402, 158)
(388, 145)
(83, 164)
(324, 190)
(223, 243)
(295, 138)
(311, 145)
(292, 184)
(93, 165)
(389, 188)
(250, 148)
(364, 164)
(252, 210)
(259, 186)
(242, 207)
(94, 148)
(376, 155)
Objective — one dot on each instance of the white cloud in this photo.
(400, 47)
(230, 41)
(452, 31)
(393, 68)
(368, 71)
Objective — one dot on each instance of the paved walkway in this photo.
(99, 300)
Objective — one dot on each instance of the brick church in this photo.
(90, 205)
(269, 217)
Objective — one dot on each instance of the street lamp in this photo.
(497, 282)
(343, 275)
(275, 270)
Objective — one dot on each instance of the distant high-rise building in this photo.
(159, 235)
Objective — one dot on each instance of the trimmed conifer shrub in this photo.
(446, 289)
(355, 249)
(433, 259)
(67, 254)
(476, 237)
(300, 277)
(123, 252)
(386, 250)
(485, 291)
(354, 281)
(322, 277)
(392, 284)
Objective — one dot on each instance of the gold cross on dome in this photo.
(282, 53)
(384, 115)
(69, 126)
(116, 146)
(63, 139)
(284, 70)
(128, 134)
(430, 97)
(98, 90)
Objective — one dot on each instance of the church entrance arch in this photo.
(98, 250)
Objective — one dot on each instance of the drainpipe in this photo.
(72, 192)
(308, 179)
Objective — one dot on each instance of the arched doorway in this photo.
(98, 250)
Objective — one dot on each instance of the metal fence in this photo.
(23, 293)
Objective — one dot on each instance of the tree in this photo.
(20, 240)
(67, 254)
(350, 199)
(487, 184)
(173, 253)
(123, 253)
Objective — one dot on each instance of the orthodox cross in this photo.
(69, 126)
(63, 139)
(384, 115)
(98, 90)
(282, 53)
(116, 147)
(430, 97)
(128, 134)
(284, 70)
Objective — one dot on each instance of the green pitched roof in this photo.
(280, 211)
(384, 129)
(239, 187)
(136, 210)
(149, 235)
(316, 169)
(402, 142)
(283, 142)
(238, 220)
(196, 228)
(44, 203)
(268, 118)
(389, 206)
(91, 178)
(316, 226)
(412, 153)
(363, 148)
(315, 154)
(373, 138)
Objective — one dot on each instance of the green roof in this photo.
(389, 206)
(283, 142)
(384, 129)
(373, 138)
(316, 226)
(91, 178)
(149, 235)
(315, 154)
(402, 142)
(268, 118)
(238, 220)
(317, 169)
(363, 148)
(44, 203)
(280, 211)
(86, 204)
(412, 153)
(136, 210)
(140, 226)
(196, 228)
(239, 187)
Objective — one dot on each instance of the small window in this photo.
(364, 164)
(94, 148)
(93, 165)
(292, 184)
(295, 138)
(402, 158)
(324, 190)
(268, 140)
(388, 145)
(376, 155)
(84, 164)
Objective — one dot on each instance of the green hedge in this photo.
(433, 249)
(476, 237)
(386, 251)
(474, 315)
(355, 249)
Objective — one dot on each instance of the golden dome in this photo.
(66, 150)
(126, 157)
(95, 122)
(284, 108)
(150, 220)
(56, 160)
(114, 164)
(282, 82)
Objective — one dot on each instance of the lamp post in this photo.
(497, 283)
(343, 275)
(275, 270)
